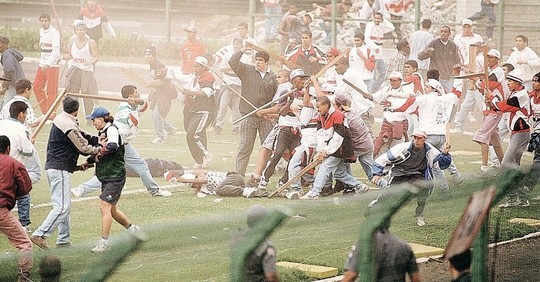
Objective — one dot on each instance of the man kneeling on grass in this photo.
(111, 171)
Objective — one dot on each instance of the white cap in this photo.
(191, 28)
(396, 74)
(466, 22)
(494, 53)
(297, 73)
(76, 22)
(515, 75)
(201, 61)
(419, 133)
(436, 85)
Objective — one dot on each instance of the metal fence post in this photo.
(333, 22)
(168, 20)
(417, 14)
(251, 15)
(500, 26)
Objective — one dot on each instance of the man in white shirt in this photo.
(374, 35)
(466, 39)
(418, 41)
(524, 59)
(361, 100)
(23, 151)
(23, 88)
(362, 59)
(47, 72)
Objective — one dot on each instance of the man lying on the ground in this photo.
(205, 182)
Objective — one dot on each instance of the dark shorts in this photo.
(111, 191)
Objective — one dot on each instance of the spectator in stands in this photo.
(488, 11)
(95, 19)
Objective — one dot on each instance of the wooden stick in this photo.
(106, 98)
(290, 64)
(366, 95)
(472, 64)
(133, 76)
(486, 69)
(48, 114)
(333, 62)
(261, 107)
(232, 89)
(469, 75)
(309, 167)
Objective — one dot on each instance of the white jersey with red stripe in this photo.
(127, 120)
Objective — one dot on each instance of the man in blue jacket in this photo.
(412, 162)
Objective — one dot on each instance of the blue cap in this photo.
(98, 112)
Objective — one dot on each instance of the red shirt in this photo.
(190, 50)
(14, 181)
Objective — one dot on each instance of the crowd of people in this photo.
(317, 110)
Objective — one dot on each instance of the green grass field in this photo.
(189, 235)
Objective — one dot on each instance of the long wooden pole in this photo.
(290, 64)
(261, 107)
(366, 95)
(106, 98)
(52, 109)
(310, 166)
(232, 89)
(333, 62)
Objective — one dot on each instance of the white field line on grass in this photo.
(91, 198)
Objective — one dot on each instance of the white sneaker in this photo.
(157, 140)
(204, 189)
(207, 160)
(170, 133)
(76, 192)
(458, 178)
(310, 196)
(420, 221)
(27, 229)
(262, 184)
(362, 188)
(137, 232)
(101, 247)
(197, 166)
(456, 130)
(249, 192)
(294, 194)
(161, 193)
(472, 118)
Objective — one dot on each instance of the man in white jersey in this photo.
(80, 76)
(374, 35)
(47, 72)
(418, 41)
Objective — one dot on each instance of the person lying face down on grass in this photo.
(205, 182)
